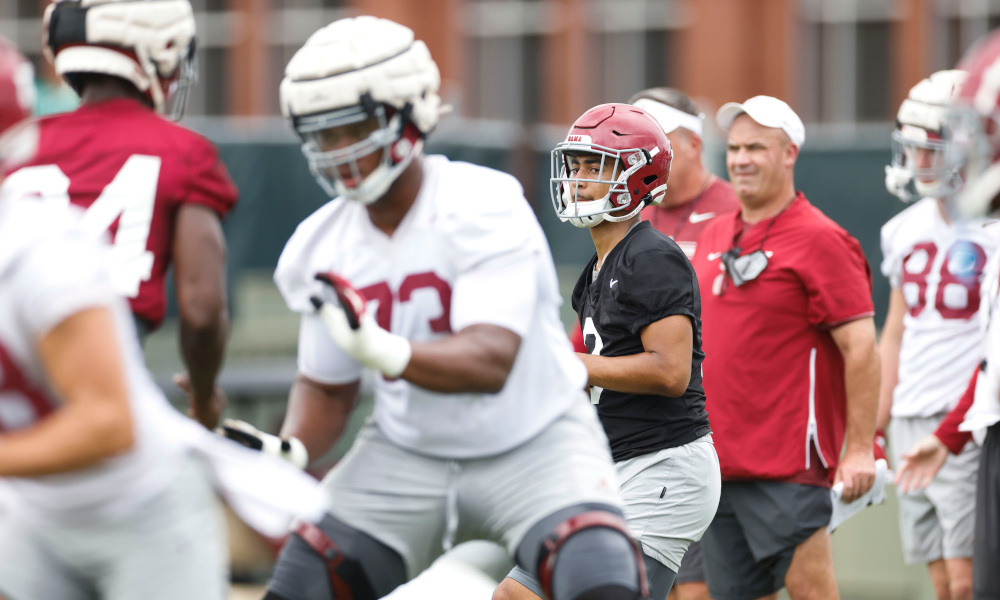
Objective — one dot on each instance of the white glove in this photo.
(356, 331)
(290, 449)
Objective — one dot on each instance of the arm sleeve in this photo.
(655, 284)
(948, 431)
(838, 280)
(320, 358)
(207, 182)
(58, 277)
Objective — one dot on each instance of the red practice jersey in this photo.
(130, 170)
(773, 376)
(685, 223)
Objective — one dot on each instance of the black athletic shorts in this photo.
(986, 544)
(749, 546)
(692, 565)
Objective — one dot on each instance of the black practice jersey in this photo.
(645, 278)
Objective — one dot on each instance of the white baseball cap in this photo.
(669, 117)
(769, 112)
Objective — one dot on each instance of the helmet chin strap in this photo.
(626, 217)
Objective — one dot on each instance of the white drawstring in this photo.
(451, 506)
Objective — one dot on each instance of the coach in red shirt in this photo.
(791, 369)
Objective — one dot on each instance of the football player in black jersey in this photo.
(640, 310)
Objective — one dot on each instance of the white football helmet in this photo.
(919, 167)
(353, 70)
(149, 43)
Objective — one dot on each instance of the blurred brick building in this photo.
(545, 61)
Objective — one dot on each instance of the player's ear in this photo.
(791, 154)
(695, 140)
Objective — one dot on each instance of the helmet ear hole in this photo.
(648, 179)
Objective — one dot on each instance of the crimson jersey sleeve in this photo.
(838, 281)
(207, 181)
(948, 431)
(576, 338)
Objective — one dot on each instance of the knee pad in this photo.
(347, 579)
(581, 540)
(355, 566)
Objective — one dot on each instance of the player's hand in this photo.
(920, 464)
(857, 472)
(355, 330)
(206, 411)
(290, 448)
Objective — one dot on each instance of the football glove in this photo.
(290, 449)
(357, 333)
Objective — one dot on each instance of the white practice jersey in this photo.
(469, 251)
(50, 270)
(939, 269)
(985, 409)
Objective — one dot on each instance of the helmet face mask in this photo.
(924, 163)
(178, 88)
(569, 158)
(337, 143)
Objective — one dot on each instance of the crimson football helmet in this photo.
(638, 151)
(149, 44)
(17, 86)
(974, 124)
